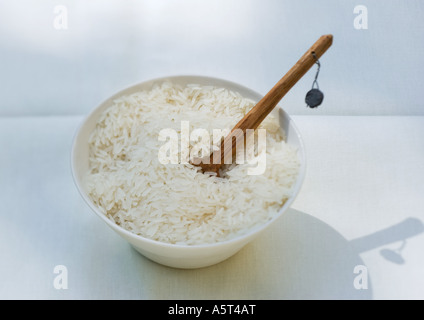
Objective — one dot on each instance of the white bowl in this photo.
(180, 256)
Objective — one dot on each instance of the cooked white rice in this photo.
(177, 203)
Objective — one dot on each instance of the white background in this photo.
(111, 44)
(362, 195)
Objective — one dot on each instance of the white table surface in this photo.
(361, 197)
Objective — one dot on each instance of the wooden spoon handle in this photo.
(259, 112)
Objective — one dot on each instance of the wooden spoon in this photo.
(259, 112)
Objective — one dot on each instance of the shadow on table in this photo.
(399, 232)
(310, 261)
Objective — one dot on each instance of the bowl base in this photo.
(184, 262)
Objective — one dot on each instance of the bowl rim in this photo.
(253, 231)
